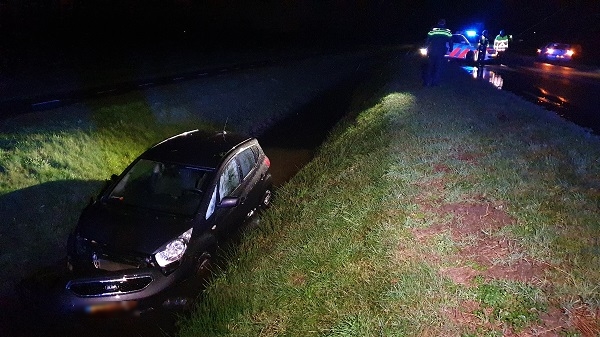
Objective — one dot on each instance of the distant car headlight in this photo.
(423, 51)
(174, 250)
(570, 52)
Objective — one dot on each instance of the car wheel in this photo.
(471, 58)
(204, 265)
(267, 198)
(204, 255)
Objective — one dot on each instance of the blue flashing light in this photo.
(471, 33)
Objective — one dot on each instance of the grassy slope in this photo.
(456, 210)
(52, 162)
(376, 236)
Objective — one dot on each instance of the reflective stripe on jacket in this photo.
(439, 40)
(501, 42)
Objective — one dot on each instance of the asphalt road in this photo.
(569, 91)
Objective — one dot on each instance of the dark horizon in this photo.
(244, 23)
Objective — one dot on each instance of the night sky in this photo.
(233, 22)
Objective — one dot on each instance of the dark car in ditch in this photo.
(161, 220)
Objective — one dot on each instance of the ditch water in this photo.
(291, 143)
(570, 93)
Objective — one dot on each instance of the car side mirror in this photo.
(229, 202)
(107, 183)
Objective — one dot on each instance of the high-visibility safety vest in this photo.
(440, 31)
(501, 42)
(437, 39)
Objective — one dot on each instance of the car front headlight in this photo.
(423, 51)
(174, 250)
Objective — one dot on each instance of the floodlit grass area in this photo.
(52, 162)
(450, 211)
(51, 166)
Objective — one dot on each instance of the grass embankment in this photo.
(450, 211)
(456, 210)
(52, 162)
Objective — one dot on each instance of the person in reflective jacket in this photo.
(439, 42)
(501, 41)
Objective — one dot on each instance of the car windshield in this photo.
(459, 39)
(162, 187)
(472, 39)
(559, 46)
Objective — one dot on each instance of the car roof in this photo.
(195, 148)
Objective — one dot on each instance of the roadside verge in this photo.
(433, 213)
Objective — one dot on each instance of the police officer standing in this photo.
(439, 42)
(482, 45)
(501, 41)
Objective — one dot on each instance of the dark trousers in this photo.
(433, 70)
(481, 55)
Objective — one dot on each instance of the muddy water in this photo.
(291, 143)
(285, 163)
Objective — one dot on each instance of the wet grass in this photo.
(342, 250)
(52, 162)
(339, 254)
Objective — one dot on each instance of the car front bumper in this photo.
(58, 293)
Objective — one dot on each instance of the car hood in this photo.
(124, 228)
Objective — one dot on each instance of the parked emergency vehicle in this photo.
(466, 49)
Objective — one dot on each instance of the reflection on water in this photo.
(546, 98)
(537, 94)
(554, 88)
(286, 162)
(486, 74)
(540, 95)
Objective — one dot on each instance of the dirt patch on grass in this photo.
(482, 250)
(484, 254)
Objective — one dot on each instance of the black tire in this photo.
(204, 255)
(266, 199)
(470, 58)
(204, 265)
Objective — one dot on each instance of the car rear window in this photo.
(247, 160)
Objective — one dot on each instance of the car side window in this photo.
(229, 180)
(247, 160)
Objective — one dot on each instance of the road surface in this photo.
(571, 92)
